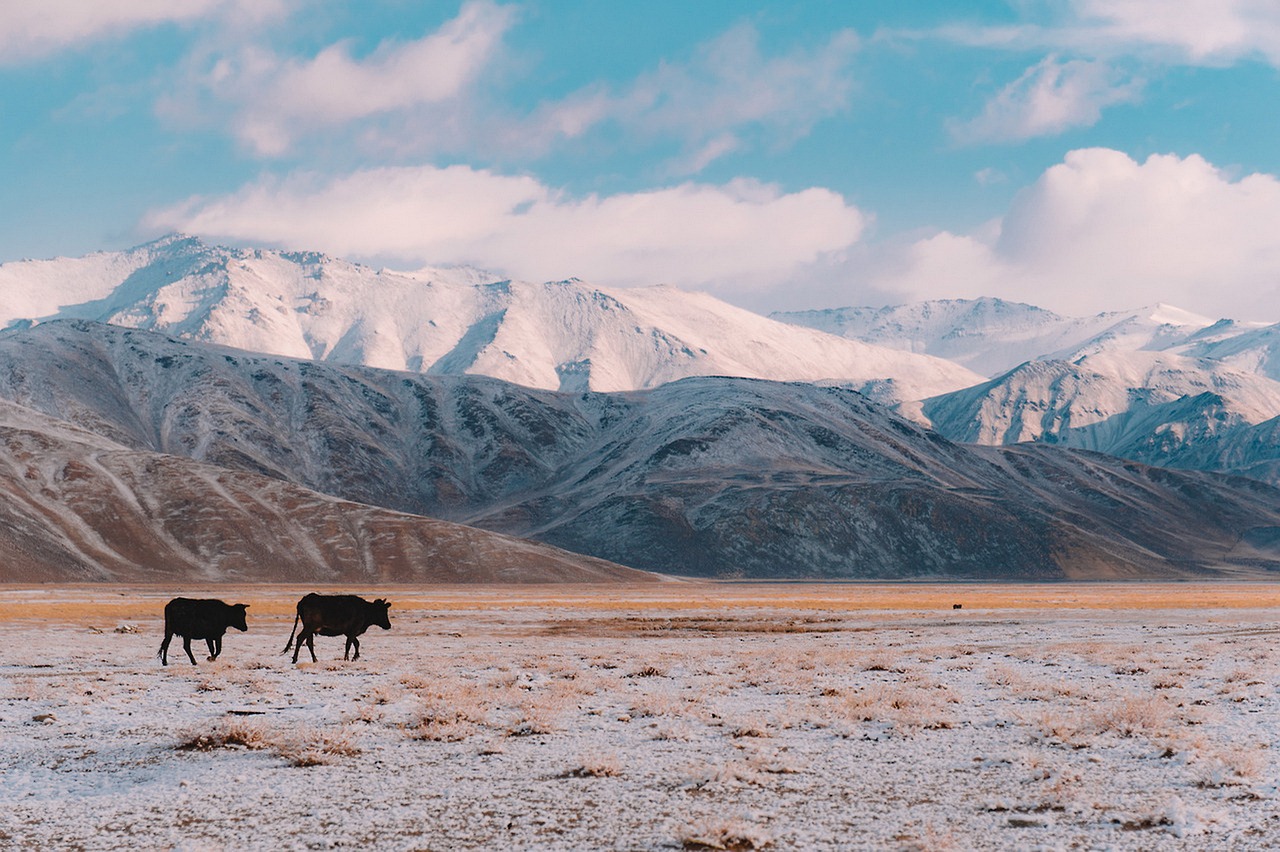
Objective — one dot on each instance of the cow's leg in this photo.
(186, 646)
(164, 648)
(355, 643)
(308, 637)
(213, 648)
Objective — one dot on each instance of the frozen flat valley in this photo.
(676, 716)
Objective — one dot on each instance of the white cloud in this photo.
(1047, 99)
(31, 29)
(270, 102)
(427, 98)
(735, 236)
(1101, 231)
(284, 100)
(1203, 31)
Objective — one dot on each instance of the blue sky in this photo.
(1078, 154)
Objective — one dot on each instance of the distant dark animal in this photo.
(957, 606)
(336, 615)
(193, 618)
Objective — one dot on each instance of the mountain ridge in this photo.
(706, 476)
(556, 335)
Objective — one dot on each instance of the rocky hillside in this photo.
(75, 506)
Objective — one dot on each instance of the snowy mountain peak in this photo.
(565, 335)
(1165, 314)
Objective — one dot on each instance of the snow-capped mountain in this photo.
(707, 476)
(1091, 401)
(992, 336)
(1159, 385)
(1154, 407)
(564, 335)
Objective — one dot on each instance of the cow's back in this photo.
(332, 614)
(196, 619)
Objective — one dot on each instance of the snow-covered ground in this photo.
(686, 716)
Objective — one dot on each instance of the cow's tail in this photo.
(289, 644)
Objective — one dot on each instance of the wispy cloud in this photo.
(1050, 97)
(408, 100)
(739, 234)
(32, 30)
(1203, 31)
(727, 91)
(1197, 32)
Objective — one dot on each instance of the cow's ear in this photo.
(242, 606)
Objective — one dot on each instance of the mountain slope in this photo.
(558, 335)
(1153, 407)
(1251, 349)
(77, 507)
(708, 476)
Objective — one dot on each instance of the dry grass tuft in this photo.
(317, 747)
(1226, 765)
(308, 747)
(1134, 714)
(736, 835)
(904, 707)
(232, 733)
(598, 766)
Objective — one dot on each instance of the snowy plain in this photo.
(678, 715)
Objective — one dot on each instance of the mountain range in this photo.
(558, 335)
(448, 424)
(707, 476)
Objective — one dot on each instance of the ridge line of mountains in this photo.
(181, 410)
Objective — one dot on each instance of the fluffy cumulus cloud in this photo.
(1101, 231)
(739, 235)
(1052, 96)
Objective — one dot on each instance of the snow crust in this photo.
(484, 722)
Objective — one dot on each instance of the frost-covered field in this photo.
(694, 716)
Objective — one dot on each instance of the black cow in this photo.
(193, 618)
(336, 615)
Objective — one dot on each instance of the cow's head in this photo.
(378, 613)
(236, 617)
